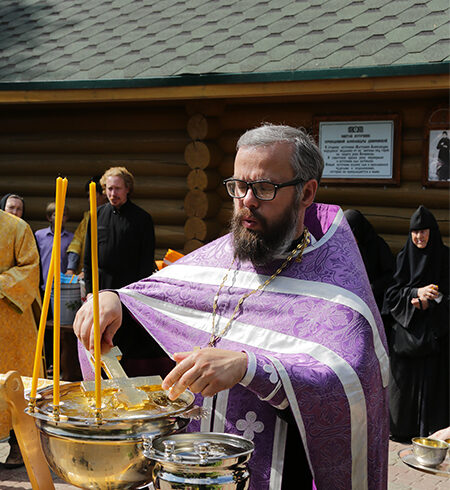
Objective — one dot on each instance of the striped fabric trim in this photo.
(281, 343)
(251, 369)
(271, 395)
(205, 424)
(294, 406)
(329, 233)
(279, 448)
(220, 413)
(358, 418)
(287, 285)
(283, 405)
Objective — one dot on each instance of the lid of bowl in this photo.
(198, 448)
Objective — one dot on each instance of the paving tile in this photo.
(411, 479)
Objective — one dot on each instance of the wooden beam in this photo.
(87, 164)
(401, 84)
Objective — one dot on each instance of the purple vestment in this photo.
(315, 342)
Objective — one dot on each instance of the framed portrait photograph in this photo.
(437, 149)
(359, 150)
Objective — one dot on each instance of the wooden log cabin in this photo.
(175, 126)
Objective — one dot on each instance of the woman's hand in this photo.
(110, 319)
(442, 434)
(429, 292)
(420, 304)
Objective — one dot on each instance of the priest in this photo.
(274, 326)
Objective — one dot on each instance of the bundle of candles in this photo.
(53, 278)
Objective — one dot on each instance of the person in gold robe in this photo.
(19, 289)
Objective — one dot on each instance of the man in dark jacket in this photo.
(126, 250)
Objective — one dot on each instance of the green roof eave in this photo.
(234, 78)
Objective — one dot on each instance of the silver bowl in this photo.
(200, 460)
(107, 455)
(429, 452)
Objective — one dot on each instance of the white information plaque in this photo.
(357, 149)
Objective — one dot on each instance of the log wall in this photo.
(388, 207)
(38, 143)
(181, 151)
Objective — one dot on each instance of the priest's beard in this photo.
(262, 247)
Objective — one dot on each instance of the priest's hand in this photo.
(206, 371)
(110, 319)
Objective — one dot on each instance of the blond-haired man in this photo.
(126, 252)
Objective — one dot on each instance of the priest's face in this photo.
(264, 229)
(420, 237)
(116, 191)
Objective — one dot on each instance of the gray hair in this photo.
(307, 162)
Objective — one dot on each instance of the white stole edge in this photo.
(277, 342)
(287, 285)
(278, 452)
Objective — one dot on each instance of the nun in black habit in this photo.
(419, 303)
(375, 252)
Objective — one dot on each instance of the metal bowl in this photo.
(200, 460)
(108, 455)
(429, 452)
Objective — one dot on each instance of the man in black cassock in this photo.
(126, 253)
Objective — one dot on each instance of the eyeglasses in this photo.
(262, 189)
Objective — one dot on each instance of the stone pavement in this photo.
(401, 476)
(18, 478)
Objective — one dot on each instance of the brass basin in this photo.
(109, 455)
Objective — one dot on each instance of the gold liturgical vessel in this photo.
(107, 454)
(92, 432)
